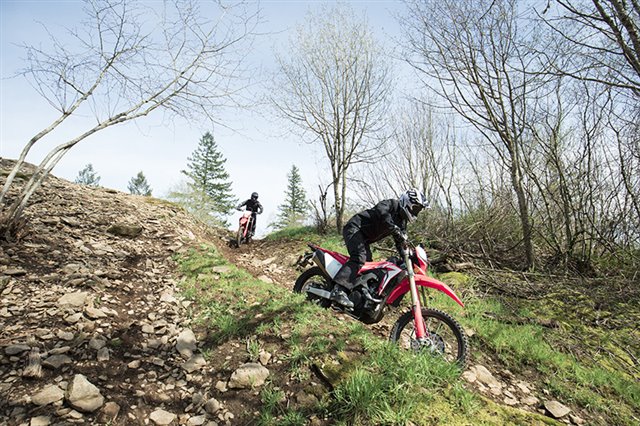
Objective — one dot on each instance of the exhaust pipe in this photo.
(319, 292)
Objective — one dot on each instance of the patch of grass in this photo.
(605, 391)
(330, 241)
(274, 411)
(197, 261)
(296, 233)
(253, 347)
(162, 202)
(389, 385)
(374, 381)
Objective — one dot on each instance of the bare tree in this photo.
(603, 41)
(321, 211)
(601, 45)
(472, 53)
(334, 83)
(421, 154)
(125, 62)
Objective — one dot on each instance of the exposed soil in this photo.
(124, 331)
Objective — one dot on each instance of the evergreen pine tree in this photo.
(293, 211)
(209, 181)
(138, 185)
(88, 176)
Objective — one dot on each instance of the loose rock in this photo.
(556, 409)
(186, 343)
(48, 395)
(248, 375)
(83, 395)
(162, 417)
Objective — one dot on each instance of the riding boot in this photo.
(339, 296)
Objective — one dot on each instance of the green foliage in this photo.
(208, 194)
(374, 381)
(297, 233)
(587, 382)
(138, 185)
(293, 212)
(88, 176)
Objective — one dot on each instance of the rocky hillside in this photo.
(91, 327)
(94, 330)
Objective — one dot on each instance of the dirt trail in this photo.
(267, 260)
(276, 262)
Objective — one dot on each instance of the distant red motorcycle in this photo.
(384, 283)
(244, 234)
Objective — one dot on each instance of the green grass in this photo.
(594, 381)
(298, 233)
(584, 382)
(374, 381)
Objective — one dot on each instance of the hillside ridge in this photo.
(92, 291)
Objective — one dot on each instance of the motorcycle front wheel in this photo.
(239, 236)
(445, 336)
(313, 276)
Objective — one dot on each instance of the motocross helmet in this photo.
(412, 202)
(254, 195)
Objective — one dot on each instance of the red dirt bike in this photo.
(244, 234)
(381, 284)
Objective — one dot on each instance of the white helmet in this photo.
(412, 203)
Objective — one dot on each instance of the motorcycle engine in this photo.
(370, 280)
(364, 308)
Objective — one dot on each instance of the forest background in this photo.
(519, 120)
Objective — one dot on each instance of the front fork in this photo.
(419, 326)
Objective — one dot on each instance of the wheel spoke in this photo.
(444, 338)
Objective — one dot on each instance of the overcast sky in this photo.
(259, 151)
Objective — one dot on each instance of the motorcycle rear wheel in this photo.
(445, 338)
(316, 277)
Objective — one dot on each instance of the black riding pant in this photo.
(253, 223)
(359, 253)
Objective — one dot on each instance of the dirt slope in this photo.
(91, 291)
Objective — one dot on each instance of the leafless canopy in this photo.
(128, 59)
(334, 84)
(604, 41)
(471, 53)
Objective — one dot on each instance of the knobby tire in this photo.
(315, 274)
(429, 315)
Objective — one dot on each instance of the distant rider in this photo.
(388, 217)
(254, 206)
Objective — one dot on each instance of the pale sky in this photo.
(259, 151)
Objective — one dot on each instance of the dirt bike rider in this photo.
(254, 206)
(388, 217)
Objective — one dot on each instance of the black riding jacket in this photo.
(383, 219)
(252, 205)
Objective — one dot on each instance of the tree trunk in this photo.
(523, 210)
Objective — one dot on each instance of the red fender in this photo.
(424, 281)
